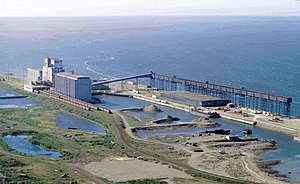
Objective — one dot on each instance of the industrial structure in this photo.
(195, 99)
(240, 97)
(51, 67)
(43, 78)
(53, 76)
(72, 85)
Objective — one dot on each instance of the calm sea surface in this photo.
(258, 53)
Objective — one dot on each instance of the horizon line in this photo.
(55, 16)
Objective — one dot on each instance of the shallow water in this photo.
(20, 144)
(115, 102)
(66, 121)
(287, 150)
(15, 102)
(6, 93)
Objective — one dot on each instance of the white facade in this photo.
(51, 67)
(34, 75)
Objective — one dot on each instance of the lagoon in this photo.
(66, 121)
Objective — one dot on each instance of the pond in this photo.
(15, 102)
(6, 93)
(67, 122)
(21, 144)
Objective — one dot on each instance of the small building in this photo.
(34, 75)
(76, 86)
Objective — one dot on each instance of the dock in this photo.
(241, 97)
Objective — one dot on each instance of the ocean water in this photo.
(257, 53)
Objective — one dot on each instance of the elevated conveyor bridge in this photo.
(241, 97)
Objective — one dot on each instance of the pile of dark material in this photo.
(152, 109)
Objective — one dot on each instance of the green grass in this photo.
(39, 124)
(51, 138)
(14, 168)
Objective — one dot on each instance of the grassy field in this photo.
(21, 170)
(83, 147)
(37, 121)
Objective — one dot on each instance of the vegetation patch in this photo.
(11, 171)
(146, 181)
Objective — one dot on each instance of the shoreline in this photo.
(248, 158)
(259, 123)
(260, 119)
(179, 107)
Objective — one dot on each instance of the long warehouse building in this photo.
(76, 86)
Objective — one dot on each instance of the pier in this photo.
(241, 97)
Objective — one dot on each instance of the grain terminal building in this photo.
(76, 86)
(51, 67)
